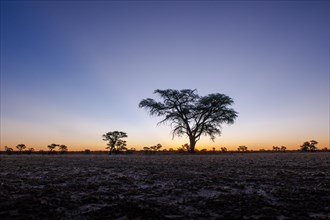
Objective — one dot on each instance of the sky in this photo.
(74, 70)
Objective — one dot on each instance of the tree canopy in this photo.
(52, 147)
(63, 148)
(115, 142)
(190, 114)
(20, 147)
(309, 146)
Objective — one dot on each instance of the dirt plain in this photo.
(166, 186)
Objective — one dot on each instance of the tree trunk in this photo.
(111, 148)
(192, 144)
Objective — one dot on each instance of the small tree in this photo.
(242, 148)
(115, 142)
(20, 147)
(147, 150)
(63, 148)
(8, 150)
(223, 149)
(184, 148)
(309, 146)
(51, 147)
(305, 146)
(190, 114)
(156, 147)
(283, 148)
(276, 148)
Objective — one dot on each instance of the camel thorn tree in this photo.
(115, 142)
(190, 114)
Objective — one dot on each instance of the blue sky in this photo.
(74, 70)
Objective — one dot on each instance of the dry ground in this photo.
(222, 186)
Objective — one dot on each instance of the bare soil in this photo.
(178, 186)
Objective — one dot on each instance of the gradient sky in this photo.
(74, 70)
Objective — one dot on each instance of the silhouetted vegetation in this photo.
(156, 147)
(184, 148)
(146, 148)
(131, 150)
(152, 149)
(242, 148)
(20, 147)
(120, 148)
(52, 147)
(223, 149)
(309, 146)
(63, 148)
(191, 114)
(115, 142)
(30, 150)
(8, 150)
(282, 148)
(276, 148)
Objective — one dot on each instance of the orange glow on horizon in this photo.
(174, 144)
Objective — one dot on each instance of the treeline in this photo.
(23, 149)
(308, 146)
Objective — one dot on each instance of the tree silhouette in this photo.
(312, 146)
(63, 148)
(184, 148)
(276, 148)
(223, 149)
(190, 114)
(115, 143)
(309, 146)
(242, 148)
(156, 147)
(283, 148)
(20, 147)
(51, 147)
(8, 150)
(305, 146)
